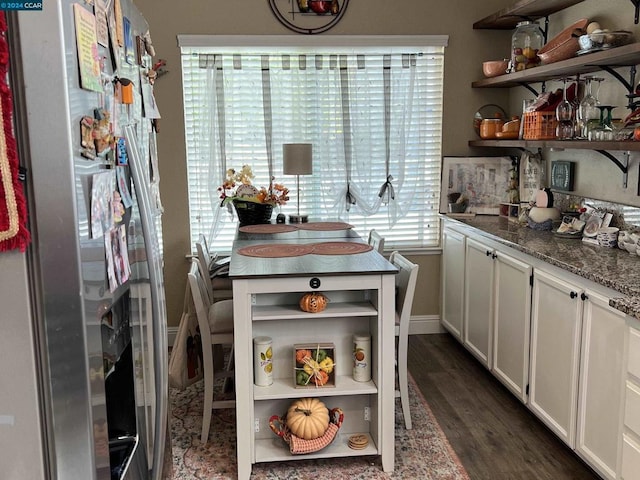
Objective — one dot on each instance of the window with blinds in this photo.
(374, 117)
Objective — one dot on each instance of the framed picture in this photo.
(483, 181)
(562, 174)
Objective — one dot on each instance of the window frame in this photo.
(192, 44)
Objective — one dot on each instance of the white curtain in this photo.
(358, 111)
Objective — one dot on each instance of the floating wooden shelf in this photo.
(507, 18)
(607, 60)
(628, 145)
(625, 56)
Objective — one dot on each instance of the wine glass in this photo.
(575, 103)
(588, 110)
(564, 115)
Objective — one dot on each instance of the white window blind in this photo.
(371, 116)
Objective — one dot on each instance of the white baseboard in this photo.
(420, 324)
(425, 324)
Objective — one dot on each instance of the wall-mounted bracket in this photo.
(636, 3)
(530, 88)
(628, 85)
(619, 77)
(545, 31)
(524, 149)
(623, 166)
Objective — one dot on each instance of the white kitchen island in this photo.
(266, 292)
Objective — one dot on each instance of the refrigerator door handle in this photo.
(160, 347)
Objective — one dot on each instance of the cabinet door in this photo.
(630, 459)
(478, 288)
(512, 321)
(452, 282)
(556, 318)
(599, 404)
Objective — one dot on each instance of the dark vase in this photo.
(252, 213)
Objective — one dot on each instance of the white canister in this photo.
(262, 361)
(362, 358)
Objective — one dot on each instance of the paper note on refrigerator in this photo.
(87, 49)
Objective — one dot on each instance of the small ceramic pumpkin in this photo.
(321, 378)
(313, 302)
(308, 418)
(301, 355)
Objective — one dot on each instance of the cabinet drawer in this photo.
(312, 282)
(630, 459)
(633, 364)
(632, 408)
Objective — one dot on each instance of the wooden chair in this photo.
(405, 289)
(376, 241)
(219, 285)
(215, 321)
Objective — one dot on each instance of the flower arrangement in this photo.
(238, 185)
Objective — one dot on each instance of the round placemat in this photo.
(275, 250)
(324, 226)
(340, 248)
(268, 228)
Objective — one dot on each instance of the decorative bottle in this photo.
(262, 361)
(361, 358)
(525, 43)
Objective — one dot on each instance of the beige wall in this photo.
(463, 62)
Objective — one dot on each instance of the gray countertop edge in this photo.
(525, 240)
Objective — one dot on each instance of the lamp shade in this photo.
(298, 158)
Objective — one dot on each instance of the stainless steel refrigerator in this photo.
(84, 381)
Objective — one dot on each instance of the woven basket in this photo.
(252, 213)
(299, 445)
(539, 125)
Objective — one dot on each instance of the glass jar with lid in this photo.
(526, 40)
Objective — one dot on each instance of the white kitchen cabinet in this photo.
(486, 298)
(512, 323)
(600, 392)
(453, 251)
(478, 300)
(556, 314)
(630, 457)
(576, 366)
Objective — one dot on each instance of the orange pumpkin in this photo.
(321, 378)
(313, 302)
(301, 355)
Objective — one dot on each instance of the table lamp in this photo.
(298, 160)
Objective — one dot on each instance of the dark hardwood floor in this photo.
(495, 436)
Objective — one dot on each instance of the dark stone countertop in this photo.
(611, 267)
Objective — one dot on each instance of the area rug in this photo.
(420, 453)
